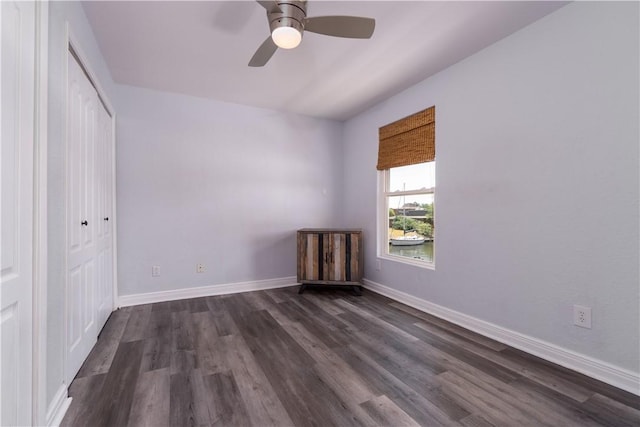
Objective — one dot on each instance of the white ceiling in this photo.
(202, 48)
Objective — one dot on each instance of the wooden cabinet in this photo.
(330, 257)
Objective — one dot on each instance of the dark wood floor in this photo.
(276, 358)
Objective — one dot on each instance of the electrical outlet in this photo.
(155, 271)
(199, 268)
(582, 316)
(378, 265)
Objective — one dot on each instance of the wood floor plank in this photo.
(138, 324)
(513, 361)
(327, 332)
(575, 385)
(553, 401)
(295, 381)
(369, 319)
(279, 295)
(325, 303)
(164, 306)
(224, 325)
(334, 371)
(206, 342)
(400, 351)
(421, 409)
(263, 405)
(450, 327)
(156, 354)
(115, 397)
(216, 304)
(183, 361)
(226, 406)
(187, 404)
(475, 420)
(323, 358)
(179, 305)
(183, 331)
(160, 324)
(515, 398)
(266, 334)
(158, 347)
(101, 355)
(83, 392)
(619, 414)
(475, 400)
(197, 305)
(150, 406)
(310, 310)
(386, 413)
(461, 353)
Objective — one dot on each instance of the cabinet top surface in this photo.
(330, 230)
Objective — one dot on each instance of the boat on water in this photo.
(407, 240)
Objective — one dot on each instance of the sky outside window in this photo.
(413, 177)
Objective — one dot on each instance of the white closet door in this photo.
(82, 223)
(104, 148)
(17, 130)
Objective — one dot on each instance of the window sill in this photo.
(410, 261)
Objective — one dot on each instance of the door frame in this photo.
(40, 212)
(38, 302)
(75, 43)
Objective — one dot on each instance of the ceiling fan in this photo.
(288, 20)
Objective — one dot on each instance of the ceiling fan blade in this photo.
(264, 53)
(354, 27)
(270, 5)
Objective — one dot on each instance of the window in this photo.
(407, 214)
(406, 161)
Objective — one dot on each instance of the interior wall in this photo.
(61, 13)
(202, 181)
(537, 182)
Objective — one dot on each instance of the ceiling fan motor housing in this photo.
(292, 14)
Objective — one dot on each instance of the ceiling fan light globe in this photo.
(286, 37)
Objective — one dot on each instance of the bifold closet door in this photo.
(104, 199)
(89, 197)
(81, 327)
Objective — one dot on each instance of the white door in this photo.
(82, 223)
(104, 177)
(17, 130)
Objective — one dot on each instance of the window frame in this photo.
(382, 220)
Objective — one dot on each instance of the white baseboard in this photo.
(603, 371)
(204, 291)
(58, 406)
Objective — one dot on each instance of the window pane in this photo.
(410, 226)
(410, 217)
(423, 252)
(412, 177)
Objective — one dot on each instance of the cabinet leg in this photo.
(301, 290)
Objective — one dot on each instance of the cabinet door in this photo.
(329, 257)
(312, 258)
(344, 249)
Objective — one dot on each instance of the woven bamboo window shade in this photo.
(408, 141)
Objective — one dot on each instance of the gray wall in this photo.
(59, 14)
(537, 182)
(202, 181)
